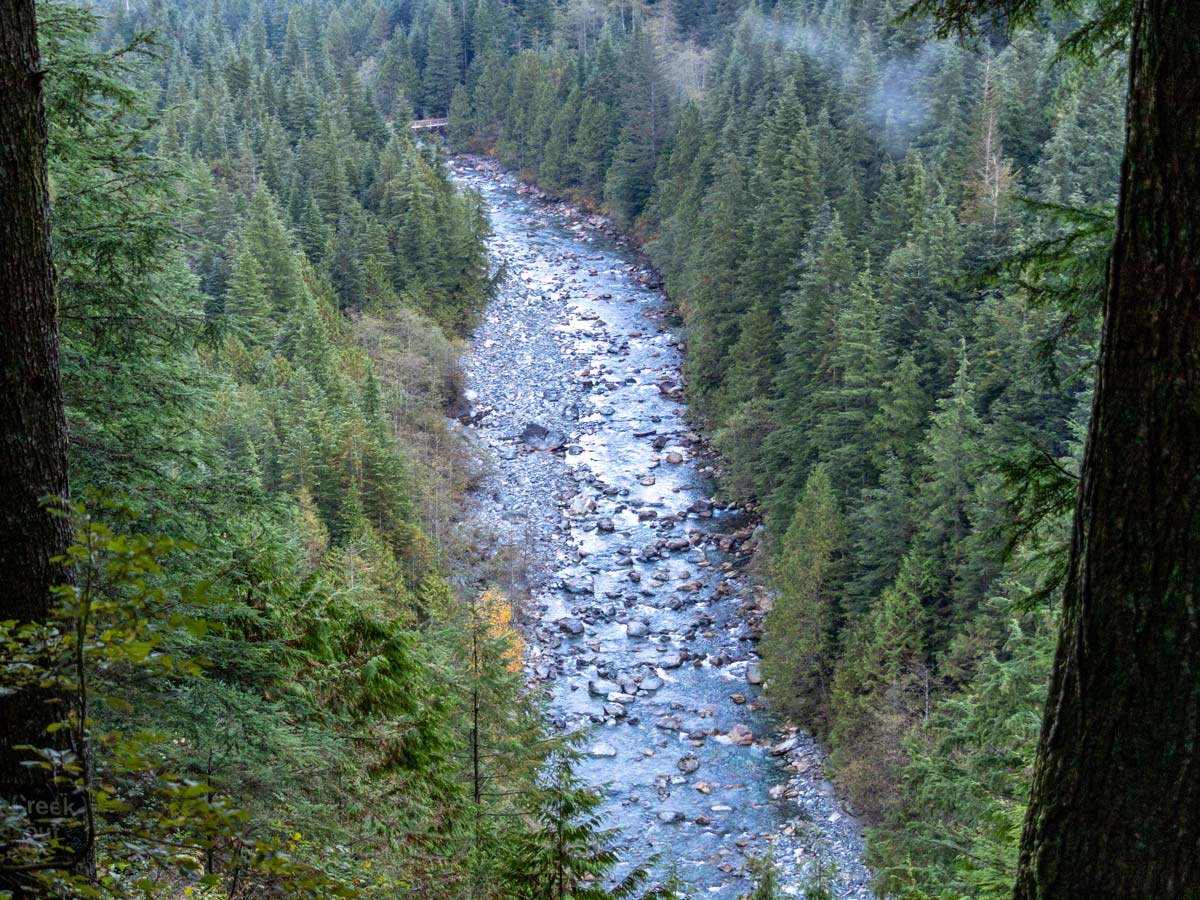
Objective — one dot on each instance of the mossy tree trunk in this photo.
(1115, 810)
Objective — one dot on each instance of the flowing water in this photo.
(641, 624)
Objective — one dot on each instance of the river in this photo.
(642, 621)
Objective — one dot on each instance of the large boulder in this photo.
(741, 735)
(577, 581)
(571, 625)
(601, 687)
(636, 629)
(540, 438)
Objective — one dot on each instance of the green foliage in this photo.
(882, 687)
(968, 776)
(261, 288)
(152, 828)
(1105, 29)
(568, 855)
(797, 647)
(765, 877)
(887, 251)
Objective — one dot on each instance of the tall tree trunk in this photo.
(33, 446)
(1115, 810)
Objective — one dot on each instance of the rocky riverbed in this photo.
(642, 624)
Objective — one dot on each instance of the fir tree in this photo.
(798, 645)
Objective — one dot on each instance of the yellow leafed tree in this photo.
(499, 615)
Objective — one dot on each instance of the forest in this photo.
(939, 306)
(889, 254)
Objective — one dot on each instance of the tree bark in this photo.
(1115, 809)
(33, 446)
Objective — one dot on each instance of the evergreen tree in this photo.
(881, 687)
(443, 62)
(946, 491)
(247, 305)
(712, 316)
(644, 116)
(797, 648)
(568, 854)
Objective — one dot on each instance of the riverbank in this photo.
(641, 622)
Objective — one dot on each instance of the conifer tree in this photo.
(593, 145)
(946, 491)
(798, 645)
(443, 62)
(462, 117)
(713, 313)
(247, 306)
(644, 116)
(266, 238)
(568, 854)
(35, 537)
(755, 361)
(847, 399)
(882, 686)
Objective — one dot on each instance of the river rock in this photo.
(688, 763)
(637, 629)
(741, 735)
(785, 747)
(753, 674)
(601, 687)
(571, 625)
(602, 749)
(578, 582)
(582, 505)
(540, 438)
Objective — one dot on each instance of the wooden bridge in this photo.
(429, 124)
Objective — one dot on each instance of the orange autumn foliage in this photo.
(499, 614)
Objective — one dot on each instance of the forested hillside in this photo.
(888, 251)
(262, 291)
